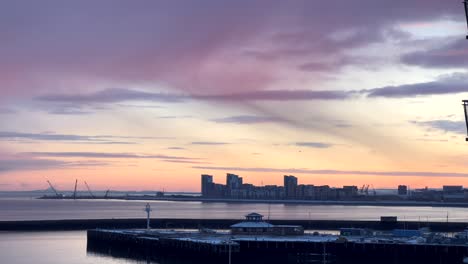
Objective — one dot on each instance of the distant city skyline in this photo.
(150, 94)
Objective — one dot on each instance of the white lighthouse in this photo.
(148, 210)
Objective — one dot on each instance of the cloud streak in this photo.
(209, 143)
(457, 127)
(98, 139)
(24, 164)
(248, 119)
(105, 155)
(339, 172)
(449, 84)
(446, 84)
(319, 145)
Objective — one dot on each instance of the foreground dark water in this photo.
(49, 248)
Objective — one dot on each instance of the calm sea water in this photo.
(70, 247)
(50, 248)
(23, 208)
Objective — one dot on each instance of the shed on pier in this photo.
(254, 225)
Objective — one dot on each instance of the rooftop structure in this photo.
(254, 225)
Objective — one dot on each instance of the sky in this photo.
(148, 95)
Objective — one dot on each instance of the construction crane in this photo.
(89, 190)
(54, 190)
(362, 189)
(107, 194)
(74, 192)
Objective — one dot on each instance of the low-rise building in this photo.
(254, 225)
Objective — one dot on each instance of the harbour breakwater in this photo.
(175, 223)
(219, 248)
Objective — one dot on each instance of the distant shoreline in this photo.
(296, 202)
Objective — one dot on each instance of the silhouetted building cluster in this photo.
(448, 193)
(402, 190)
(235, 188)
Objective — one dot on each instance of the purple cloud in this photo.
(95, 139)
(176, 148)
(319, 145)
(84, 43)
(246, 119)
(22, 164)
(455, 83)
(338, 172)
(458, 127)
(105, 155)
(451, 55)
(212, 143)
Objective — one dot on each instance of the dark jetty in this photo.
(85, 224)
(143, 245)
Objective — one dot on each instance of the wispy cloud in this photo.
(175, 117)
(320, 145)
(4, 110)
(112, 96)
(97, 139)
(247, 119)
(187, 161)
(339, 172)
(106, 155)
(447, 84)
(22, 164)
(209, 143)
(444, 55)
(458, 127)
(176, 148)
(123, 95)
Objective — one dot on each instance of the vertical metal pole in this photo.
(465, 104)
(147, 220)
(465, 3)
(229, 251)
(148, 210)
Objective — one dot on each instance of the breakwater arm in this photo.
(84, 224)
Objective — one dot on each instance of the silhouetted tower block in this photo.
(206, 185)
(233, 182)
(290, 186)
